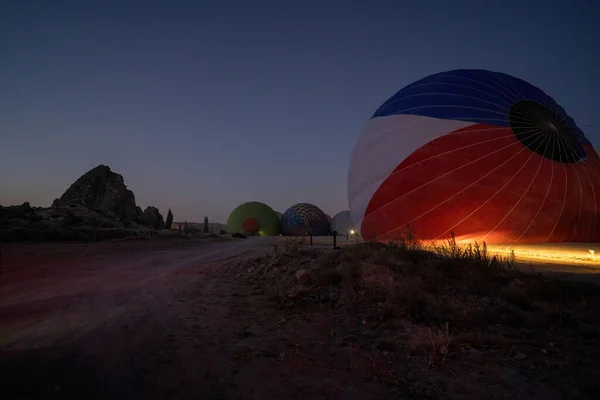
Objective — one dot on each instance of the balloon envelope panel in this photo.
(481, 154)
(251, 225)
(265, 216)
(300, 219)
(342, 223)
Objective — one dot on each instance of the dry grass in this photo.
(441, 302)
(289, 247)
(435, 342)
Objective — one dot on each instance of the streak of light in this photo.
(552, 253)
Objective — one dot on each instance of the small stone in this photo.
(302, 276)
(520, 356)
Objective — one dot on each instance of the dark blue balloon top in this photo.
(473, 95)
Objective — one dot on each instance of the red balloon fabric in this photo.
(251, 225)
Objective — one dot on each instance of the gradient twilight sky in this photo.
(202, 105)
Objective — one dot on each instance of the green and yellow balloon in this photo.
(254, 217)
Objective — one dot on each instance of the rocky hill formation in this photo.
(103, 190)
(97, 206)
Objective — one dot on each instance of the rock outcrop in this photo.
(103, 190)
(23, 211)
(152, 218)
(98, 206)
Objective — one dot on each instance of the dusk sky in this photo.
(202, 105)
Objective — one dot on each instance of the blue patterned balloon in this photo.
(300, 219)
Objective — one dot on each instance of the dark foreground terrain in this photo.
(229, 319)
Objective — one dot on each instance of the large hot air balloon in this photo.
(251, 225)
(481, 154)
(301, 219)
(342, 223)
(253, 217)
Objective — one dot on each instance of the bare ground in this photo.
(173, 318)
(109, 320)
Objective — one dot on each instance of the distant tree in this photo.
(205, 230)
(185, 227)
(169, 221)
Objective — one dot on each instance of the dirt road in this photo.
(115, 321)
(173, 319)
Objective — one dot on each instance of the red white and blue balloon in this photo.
(484, 155)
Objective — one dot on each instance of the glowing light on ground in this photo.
(552, 253)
